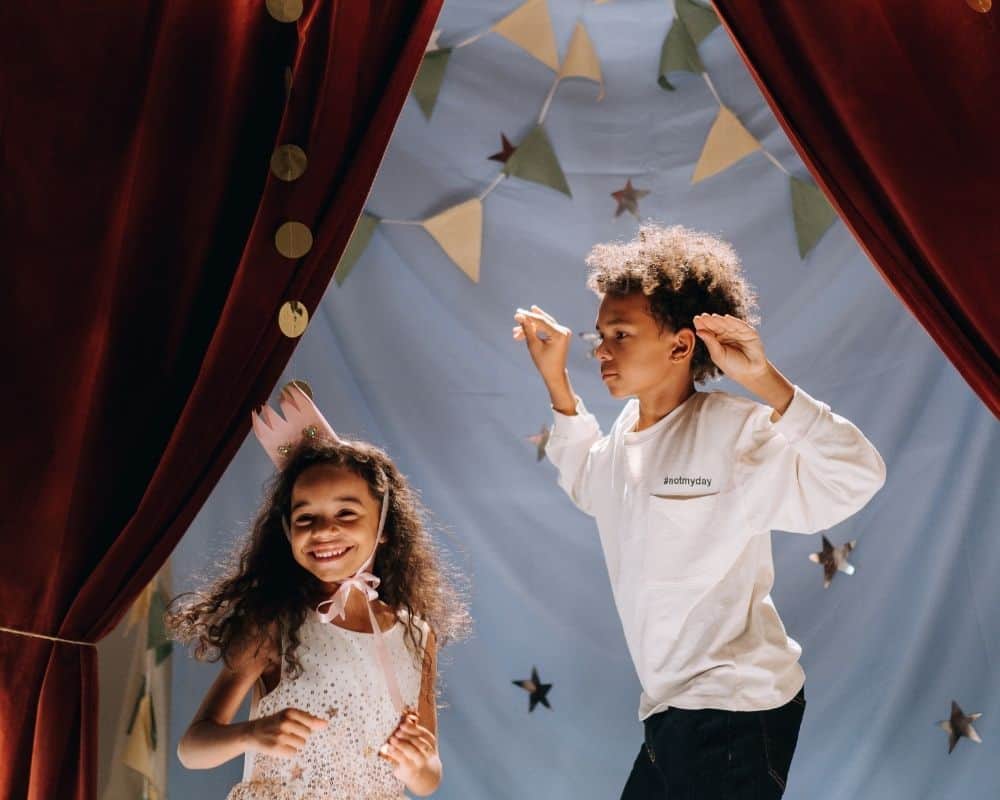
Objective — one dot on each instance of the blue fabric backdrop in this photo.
(412, 355)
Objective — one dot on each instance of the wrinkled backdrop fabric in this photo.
(413, 356)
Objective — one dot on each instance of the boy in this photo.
(685, 490)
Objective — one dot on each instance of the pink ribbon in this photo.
(365, 582)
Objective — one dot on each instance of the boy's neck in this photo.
(655, 404)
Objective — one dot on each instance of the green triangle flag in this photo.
(813, 214)
(535, 160)
(692, 23)
(356, 246)
(427, 84)
(135, 708)
(156, 638)
(699, 21)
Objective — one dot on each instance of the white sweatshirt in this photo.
(684, 510)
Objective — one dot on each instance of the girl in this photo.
(331, 616)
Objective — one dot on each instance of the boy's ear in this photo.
(684, 343)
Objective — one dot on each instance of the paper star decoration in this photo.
(537, 690)
(432, 43)
(593, 340)
(539, 440)
(628, 199)
(506, 152)
(833, 559)
(960, 725)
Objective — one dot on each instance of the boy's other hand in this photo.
(548, 343)
(734, 346)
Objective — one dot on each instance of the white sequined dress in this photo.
(341, 681)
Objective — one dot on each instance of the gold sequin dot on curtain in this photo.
(293, 319)
(293, 240)
(299, 384)
(289, 162)
(285, 10)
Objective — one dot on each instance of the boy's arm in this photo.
(805, 470)
(570, 442)
(808, 470)
(574, 430)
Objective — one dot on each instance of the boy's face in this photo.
(334, 522)
(635, 355)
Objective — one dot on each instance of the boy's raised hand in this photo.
(735, 347)
(547, 340)
(284, 733)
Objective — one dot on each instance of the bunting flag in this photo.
(430, 76)
(141, 731)
(728, 141)
(530, 27)
(812, 212)
(140, 743)
(535, 160)
(692, 23)
(581, 59)
(459, 232)
(139, 612)
(362, 234)
(156, 637)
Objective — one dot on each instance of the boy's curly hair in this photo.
(683, 273)
(263, 594)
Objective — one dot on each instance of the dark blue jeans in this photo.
(708, 754)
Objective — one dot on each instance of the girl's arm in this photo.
(213, 739)
(413, 747)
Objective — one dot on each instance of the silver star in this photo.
(833, 559)
(540, 439)
(959, 725)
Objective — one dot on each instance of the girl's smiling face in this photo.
(334, 521)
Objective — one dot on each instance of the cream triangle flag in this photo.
(459, 231)
(728, 141)
(529, 26)
(581, 59)
(138, 750)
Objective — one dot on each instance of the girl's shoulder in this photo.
(257, 647)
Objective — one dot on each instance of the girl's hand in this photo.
(284, 733)
(548, 343)
(414, 752)
(733, 345)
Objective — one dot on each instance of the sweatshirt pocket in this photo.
(684, 536)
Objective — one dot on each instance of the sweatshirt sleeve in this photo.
(568, 448)
(808, 471)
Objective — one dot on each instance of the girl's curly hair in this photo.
(263, 594)
(683, 273)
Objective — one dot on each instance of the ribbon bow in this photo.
(364, 582)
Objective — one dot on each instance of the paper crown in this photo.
(302, 420)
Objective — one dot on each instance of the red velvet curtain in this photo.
(142, 288)
(894, 106)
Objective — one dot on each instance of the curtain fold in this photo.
(138, 223)
(892, 107)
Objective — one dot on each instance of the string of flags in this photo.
(728, 141)
(141, 749)
(458, 229)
